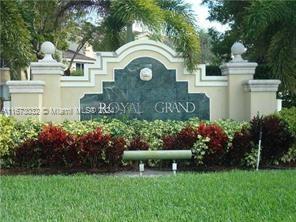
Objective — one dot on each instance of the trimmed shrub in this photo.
(186, 138)
(92, 147)
(55, 144)
(8, 137)
(138, 144)
(169, 142)
(289, 116)
(114, 152)
(242, 144)
(218, 139)
(182, 140)
(217, 142)
(276, 137)
(28, 154)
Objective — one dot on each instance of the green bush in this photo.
(289, 115)
(13, 133)
(7, 135)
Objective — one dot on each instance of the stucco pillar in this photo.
(49, 71)
(238, 71)
(261, 97)
(26, 99)
(4, 77)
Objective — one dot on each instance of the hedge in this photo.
(100, 143)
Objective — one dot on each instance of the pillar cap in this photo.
(262, 85)
(27, 86)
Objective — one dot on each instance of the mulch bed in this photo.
(69, 171)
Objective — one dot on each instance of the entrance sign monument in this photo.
(143, 79)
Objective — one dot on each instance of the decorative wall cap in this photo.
(262, 85)
(28, 86)
(5, 69)
(237, 50)
(56, 68)
(238, 68)
(48, 49)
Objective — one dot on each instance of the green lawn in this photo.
(230, 196)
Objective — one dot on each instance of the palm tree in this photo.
(270, 25)
(170, 18)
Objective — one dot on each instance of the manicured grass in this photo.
(230, 196)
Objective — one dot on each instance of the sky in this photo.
(202, 13)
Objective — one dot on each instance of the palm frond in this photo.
(145, 11)
(184, 37)
(282, 57)
(179, 7)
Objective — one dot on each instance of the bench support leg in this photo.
(174, 167)
(141, 168)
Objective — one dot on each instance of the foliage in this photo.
(7, 135)
(217, 142)
(290, 156)
(266, 27)
(250, 158)
(200, 149)
(289, 116)
(100, 143)
(276, 137)
(263, 72)
(28, 129)
(93, 146)
(55, 146)
(138, 144)
(27, 154)
(242, 145)
(218, 139)
(26, 24)
(230, 127)
(114, 152)
(212, 70)
(173, 18)
(79, 128)
(184, 139)
(15, 47)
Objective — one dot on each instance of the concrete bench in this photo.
(141, 155)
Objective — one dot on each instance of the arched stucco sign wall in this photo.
(159, 96)
(149, 81)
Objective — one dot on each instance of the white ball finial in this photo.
(48, 49)
(237, 50)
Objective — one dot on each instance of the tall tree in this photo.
(172, 18)
(25, 24)
(15, 47)
(268, 30)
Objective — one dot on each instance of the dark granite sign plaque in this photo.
(129, 96)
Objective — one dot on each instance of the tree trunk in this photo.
(129, 33)
(67, 72)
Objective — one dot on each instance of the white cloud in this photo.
(202, 13)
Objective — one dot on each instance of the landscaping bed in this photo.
(99, 144)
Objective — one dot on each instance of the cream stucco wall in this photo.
(27, 105)
(228, 99)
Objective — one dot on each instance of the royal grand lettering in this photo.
(135, 108)
(175, 107)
